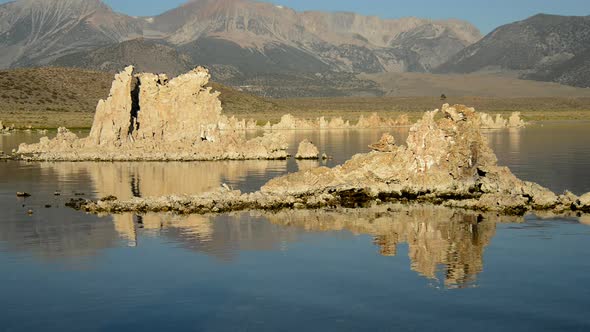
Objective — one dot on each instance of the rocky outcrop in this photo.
(446, 161)
(4, 129)
(307, 150)
(499, 122)
(148, 117)
(374, 121)
(385, 144)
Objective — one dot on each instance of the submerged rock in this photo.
(447, 161)
(307, 150)
(148, 117)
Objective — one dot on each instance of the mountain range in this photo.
(263, 47)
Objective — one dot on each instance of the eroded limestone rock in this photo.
(307, 150)
(385, 144)
(4, 129)
(447, 161)
(499, 122)
(584, 203)
(148, 117)
(374, 121)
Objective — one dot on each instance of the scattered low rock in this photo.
(374, 121)
(4, 156)
(307, 150)
(446, 161)
(23, 194)
(499, 122)
(4, 129)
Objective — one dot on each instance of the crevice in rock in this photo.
(135, 108)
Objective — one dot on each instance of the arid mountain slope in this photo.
(76, 90)
(144, 55)
(337, 41)
(35, 32)
(546, 47)
(474, 84)
(248, 35)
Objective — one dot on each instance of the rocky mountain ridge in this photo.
(544, 47)
(245, 34)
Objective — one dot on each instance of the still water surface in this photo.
(64, 270)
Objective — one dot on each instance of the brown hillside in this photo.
(50, 97)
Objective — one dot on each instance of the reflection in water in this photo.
(136, 179)
(444, 245)
(198, 228)
(222, 237)
(537, 152)
(435, 236)
(304, 165)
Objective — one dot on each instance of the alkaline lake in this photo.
(422, 269)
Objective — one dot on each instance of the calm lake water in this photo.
(63, 270)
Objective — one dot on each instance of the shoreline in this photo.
(83, 121)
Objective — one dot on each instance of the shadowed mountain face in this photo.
(144, 55)
(543, 47)
(247, 35)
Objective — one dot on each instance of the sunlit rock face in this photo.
(148, 117)
(307, 150)
(374, 121)
(499, 122)
(441, 154)
(446, 161)
(446, 158)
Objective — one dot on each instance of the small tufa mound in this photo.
(4, 129)
(385, 144)
(307, 150)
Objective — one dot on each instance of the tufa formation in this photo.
(446, 161)
(148, 117)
